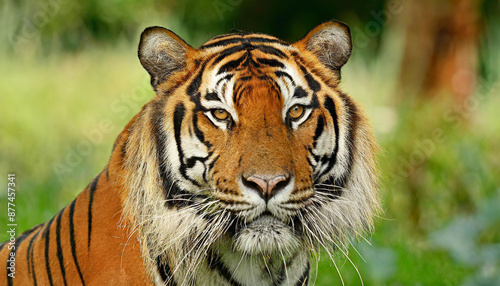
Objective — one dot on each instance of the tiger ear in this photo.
(161, 53)
(330, 42)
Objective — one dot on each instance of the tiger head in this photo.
(250, 140)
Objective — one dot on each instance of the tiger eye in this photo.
(296, 111)
(220, 114)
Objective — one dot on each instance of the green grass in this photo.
(49, 106)
(54, 110)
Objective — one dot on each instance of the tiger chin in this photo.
(246, 164)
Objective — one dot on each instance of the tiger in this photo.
(247, 164)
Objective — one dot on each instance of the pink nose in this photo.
(266, 185)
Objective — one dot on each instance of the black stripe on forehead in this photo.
(266, 49)
(212, 96)
(271, 51)
(231, 65)
(270, 62)
(241, 85)
(227, 52)
(243, 41)
(299, 92)
(247, 60)
(311, 82)
(284, 74)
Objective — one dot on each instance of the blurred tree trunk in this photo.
(441, 48)
(440, 59)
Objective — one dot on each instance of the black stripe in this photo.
(46, 236)
(91, 201)
(123, 150)
(12, 253)
(240, 88)
(59, 247)
(191, 161)
(198, 132)
(243, 41)
(320, 127)
(227, 52)
(309, 160)
(29, 256)
(116, 142)
(283, 271)
(231, 65)
(170, 189)
(212, 96)
(29, 252)
(211, 165)
(226, 77)
(311, 82)
(271, 51)
(299, 92)
(215, 263)
(328, 80)
(165, 272)
(194, 86)
(242, 80)
(332, 158)
(353, 119)
(179, 114)
(157, 118)
(270, 62)
(303, 280)
(107, 172)
(352, 110)
(72, 238)
(284, 74)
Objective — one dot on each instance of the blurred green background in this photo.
(425, 71)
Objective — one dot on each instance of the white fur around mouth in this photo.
(266, 234)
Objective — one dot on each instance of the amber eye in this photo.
(220, 114)
(296, 111)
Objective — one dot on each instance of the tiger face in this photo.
(255, 140)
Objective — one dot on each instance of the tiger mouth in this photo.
(266, 222)
(266, 234)
(241, 223)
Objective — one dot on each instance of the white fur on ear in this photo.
(330, 42)
(161, 53)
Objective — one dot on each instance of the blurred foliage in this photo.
(65, 25)
(288, 21)
(65, 63)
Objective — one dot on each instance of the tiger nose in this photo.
(266, 186)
